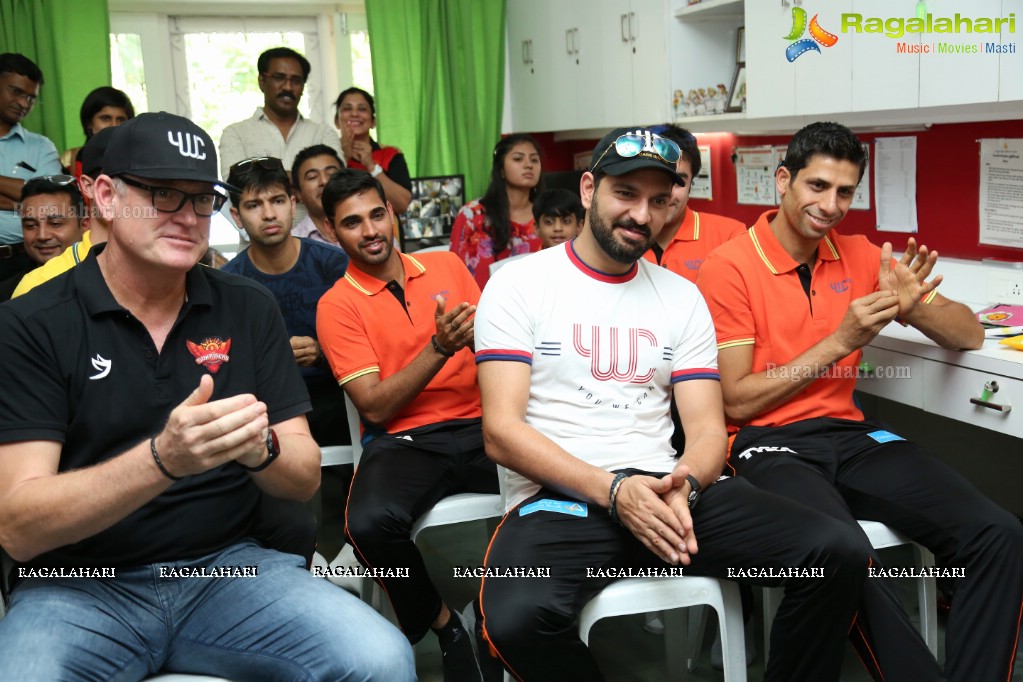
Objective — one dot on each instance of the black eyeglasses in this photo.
(170, 200)
(18, 93)
(269, 163)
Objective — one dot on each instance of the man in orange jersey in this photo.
(398, 332)
(688, 236)
(793, 305)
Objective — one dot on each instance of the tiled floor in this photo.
(623, 648)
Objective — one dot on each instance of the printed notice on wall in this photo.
(702, 186)
(895, 183)
(754, 175)
(861, 200)
(1001, 192)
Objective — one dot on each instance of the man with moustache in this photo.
(398, 334)
(580, 348)
(91, 156)
(297, 272)
(276, 129)
(52, 219)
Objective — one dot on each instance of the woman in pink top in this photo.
(500, 223)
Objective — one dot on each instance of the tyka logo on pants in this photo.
(188, 145)
(606, 353)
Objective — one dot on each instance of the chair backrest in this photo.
(354, 428)
(333, 455)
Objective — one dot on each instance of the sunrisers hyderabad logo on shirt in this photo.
(211, 352)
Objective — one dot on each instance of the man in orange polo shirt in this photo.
(688, 236)
(397, 331)
(793, 305)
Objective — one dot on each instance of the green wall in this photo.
(70, 41)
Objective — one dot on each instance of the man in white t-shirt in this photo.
(581, 348)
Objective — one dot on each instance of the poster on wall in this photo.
(754, 175)
(1001, 192)
(895, 183)
(861, 200)
(702, 185)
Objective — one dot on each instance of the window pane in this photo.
(222, 78)
(362, 61)
(126, 68)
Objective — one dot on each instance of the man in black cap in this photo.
(133, 456)
(580, 349)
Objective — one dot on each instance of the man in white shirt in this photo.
(276, 129)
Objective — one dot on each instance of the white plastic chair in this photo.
(643, 595)
(880, 536)
(458, 508)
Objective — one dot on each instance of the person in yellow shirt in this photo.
(92, 166)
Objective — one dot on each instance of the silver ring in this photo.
(454, 325)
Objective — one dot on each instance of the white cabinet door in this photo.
(824, 74)
(615, 86)
(956, 77)
(883, 77)
(770, 78)
(530, 52)
(1011, 65)
(578, 96)
(651, 96)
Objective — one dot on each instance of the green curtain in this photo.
(70, 41)
(438, 70)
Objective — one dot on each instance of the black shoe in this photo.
(490, 666)
(456, 647)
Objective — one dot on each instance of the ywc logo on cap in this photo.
(188, 145)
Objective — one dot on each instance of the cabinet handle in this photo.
(624, 21)
(568, 41)
(633, 34)
(575, 41)
(530, 51)
(991, 406)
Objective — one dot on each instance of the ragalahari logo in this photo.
(818, 36)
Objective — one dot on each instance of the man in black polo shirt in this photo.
(147, 401)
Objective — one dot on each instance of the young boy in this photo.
(559, 216)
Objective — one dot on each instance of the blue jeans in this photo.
(282, 624)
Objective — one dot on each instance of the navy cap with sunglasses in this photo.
(625, 150)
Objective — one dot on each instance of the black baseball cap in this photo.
(624, 150)
(162, 146)
(93, 151)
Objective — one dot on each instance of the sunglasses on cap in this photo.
(632, 144)
(61, 180)
(269, 163)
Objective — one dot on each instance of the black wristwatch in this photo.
(273, 448)
(694, 494)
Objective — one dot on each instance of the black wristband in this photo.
(156, 458)
(436, 347)
(612, 507)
